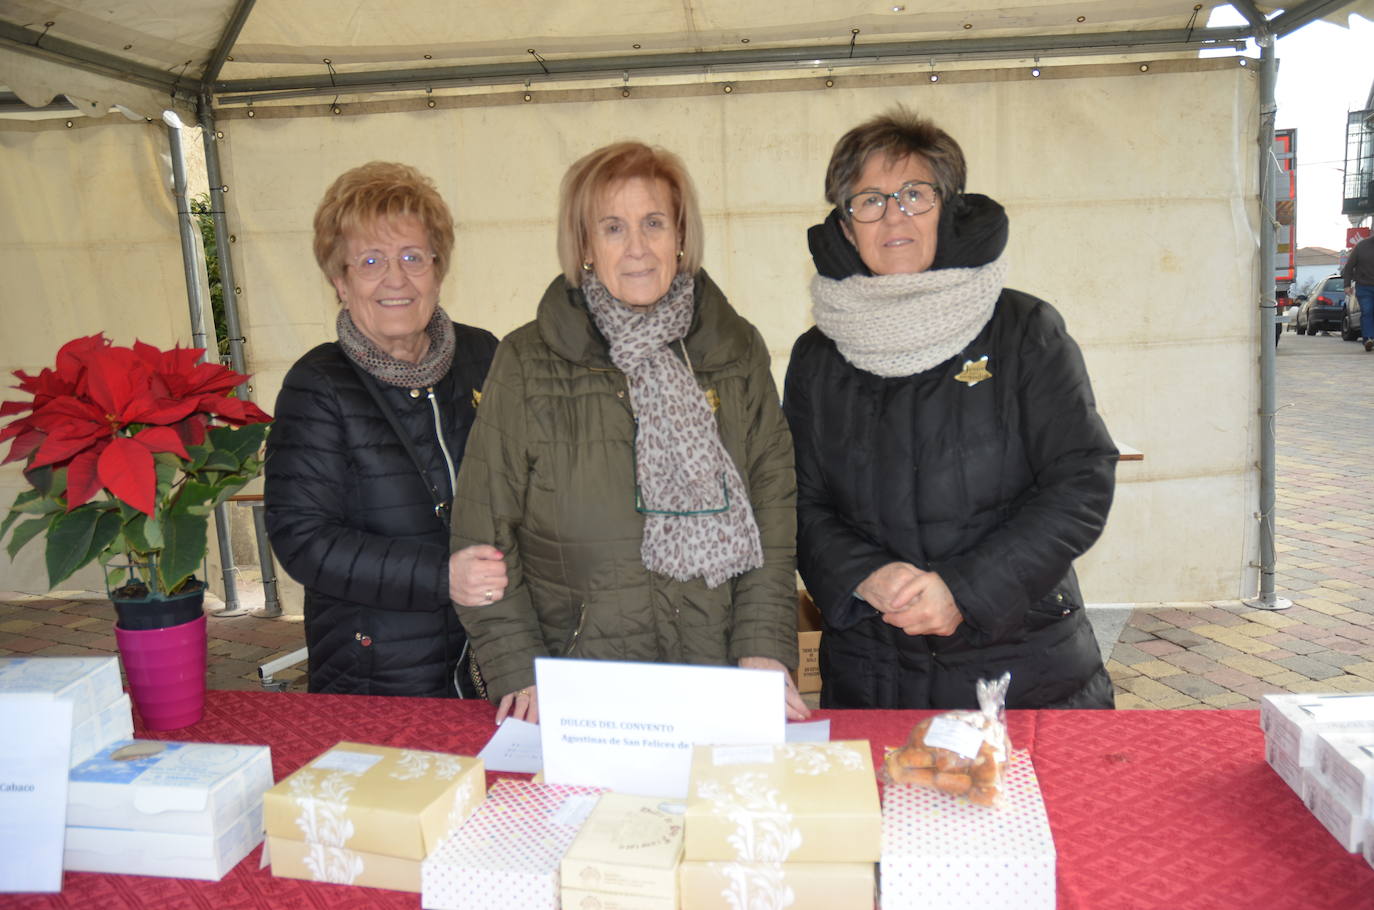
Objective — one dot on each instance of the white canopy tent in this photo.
(1130, 169)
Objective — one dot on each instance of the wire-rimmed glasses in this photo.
(914, 198)
(373, 264)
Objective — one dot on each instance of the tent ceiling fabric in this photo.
(292, 39)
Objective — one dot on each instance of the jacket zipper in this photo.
(452, 491)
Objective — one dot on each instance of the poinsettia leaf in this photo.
(194, 496)
(126, 470)
(69, 542)
(82, 480)
(107, 528)
(161, 412)
(14, 407)
(221, 460)
(68, 440)
(241, 442)
(184, 544)
(115, 577)
(25, 532)
(161, 439)
(144, 534)
(195, 457)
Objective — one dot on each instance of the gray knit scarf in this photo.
(436, 363)
(685, 477)
(898, 325)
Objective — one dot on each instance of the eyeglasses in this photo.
(372, 264)
(915, 198)
(643, 509)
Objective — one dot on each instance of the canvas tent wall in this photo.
(1130, 179)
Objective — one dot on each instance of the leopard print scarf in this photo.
(698, 521)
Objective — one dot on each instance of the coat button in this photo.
(366, 641)
(1059, 597)
(619, 393)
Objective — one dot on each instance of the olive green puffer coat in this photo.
(549, 477)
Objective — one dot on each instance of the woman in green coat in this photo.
(630, 469)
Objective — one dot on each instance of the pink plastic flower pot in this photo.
(166, 672)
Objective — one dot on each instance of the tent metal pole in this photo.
(190, 263)
(226, 261)
(1268, 347)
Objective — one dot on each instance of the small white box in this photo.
(1285, 764)
(1346, 762)
(1369, 841)
(506, 856)
(91, 684)
(113, 724)
(161, 853)
(1292, 721)
(185, 788)
(1346, 827)
(1004, 857)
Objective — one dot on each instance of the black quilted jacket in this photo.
(351, 519)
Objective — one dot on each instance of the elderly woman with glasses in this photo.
(368, 437)
(630, 461)
(950, 460)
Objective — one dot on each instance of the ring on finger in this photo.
(489, 596)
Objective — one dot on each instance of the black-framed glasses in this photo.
(914, 198)
(373, 264)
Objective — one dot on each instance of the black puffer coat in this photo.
(996, 486)
(351, 519)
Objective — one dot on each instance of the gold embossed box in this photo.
(630, 846)
(788, 803)
(796, 886)
(367, 815)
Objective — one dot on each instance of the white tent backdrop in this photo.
(1126, 190)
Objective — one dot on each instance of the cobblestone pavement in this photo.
(1210, 655)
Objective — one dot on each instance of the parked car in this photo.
(1351, 330)
(1324, 308)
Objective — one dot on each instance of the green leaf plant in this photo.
(128, 451)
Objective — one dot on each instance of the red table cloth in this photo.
(1167, 809)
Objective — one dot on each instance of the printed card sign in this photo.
(630, 727)
(33, 790)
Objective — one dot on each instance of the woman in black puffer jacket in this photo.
(369, 434)
(951, 463)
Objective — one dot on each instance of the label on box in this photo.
(953, 734)
(741, 755)
(630, 845)
(346, 760)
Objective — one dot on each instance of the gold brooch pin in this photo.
(713, 400)
(974, 371)
(476, 398)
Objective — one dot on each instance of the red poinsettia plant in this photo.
(128, 451)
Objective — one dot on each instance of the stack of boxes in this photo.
(509, 853)
(369, 815)
(1323, 747)
(795, 825)
(181, 810)
(101, 713)
(626, 856)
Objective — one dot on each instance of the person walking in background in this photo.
(1359, 272)
(951, 463)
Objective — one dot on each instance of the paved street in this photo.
(1213, 655)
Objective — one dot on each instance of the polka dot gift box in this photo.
(507, 856)
(941, 852)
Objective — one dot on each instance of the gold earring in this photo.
(586, 266)
(679, 254)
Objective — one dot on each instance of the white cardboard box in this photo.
(507, 855)
(1292, 721)
(940, 853)
(89, 683)
(1369, 841)
(1346, 826)
(1285, 764)
(161, 853)
(1346, 762)
(186, 788)
(114, 723)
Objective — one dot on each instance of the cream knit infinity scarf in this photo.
(684, 473)
(898, 325)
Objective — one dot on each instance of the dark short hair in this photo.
(592, 174)
(897, 133)
(380, 191)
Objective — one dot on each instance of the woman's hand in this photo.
(929, 608)
(890, 588)
(476, 576)
(522, 704)
(796, 708)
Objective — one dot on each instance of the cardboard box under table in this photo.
(941, 852)
(793, 803)
(629, 847)
(368, 815)
(507, 856)
(100, 709)
(808, 675)
(184, 810)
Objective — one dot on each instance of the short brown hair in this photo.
(898, 133)
(380, 191)
(589, 177)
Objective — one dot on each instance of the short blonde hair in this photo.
(374, 192)
(592, 174)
